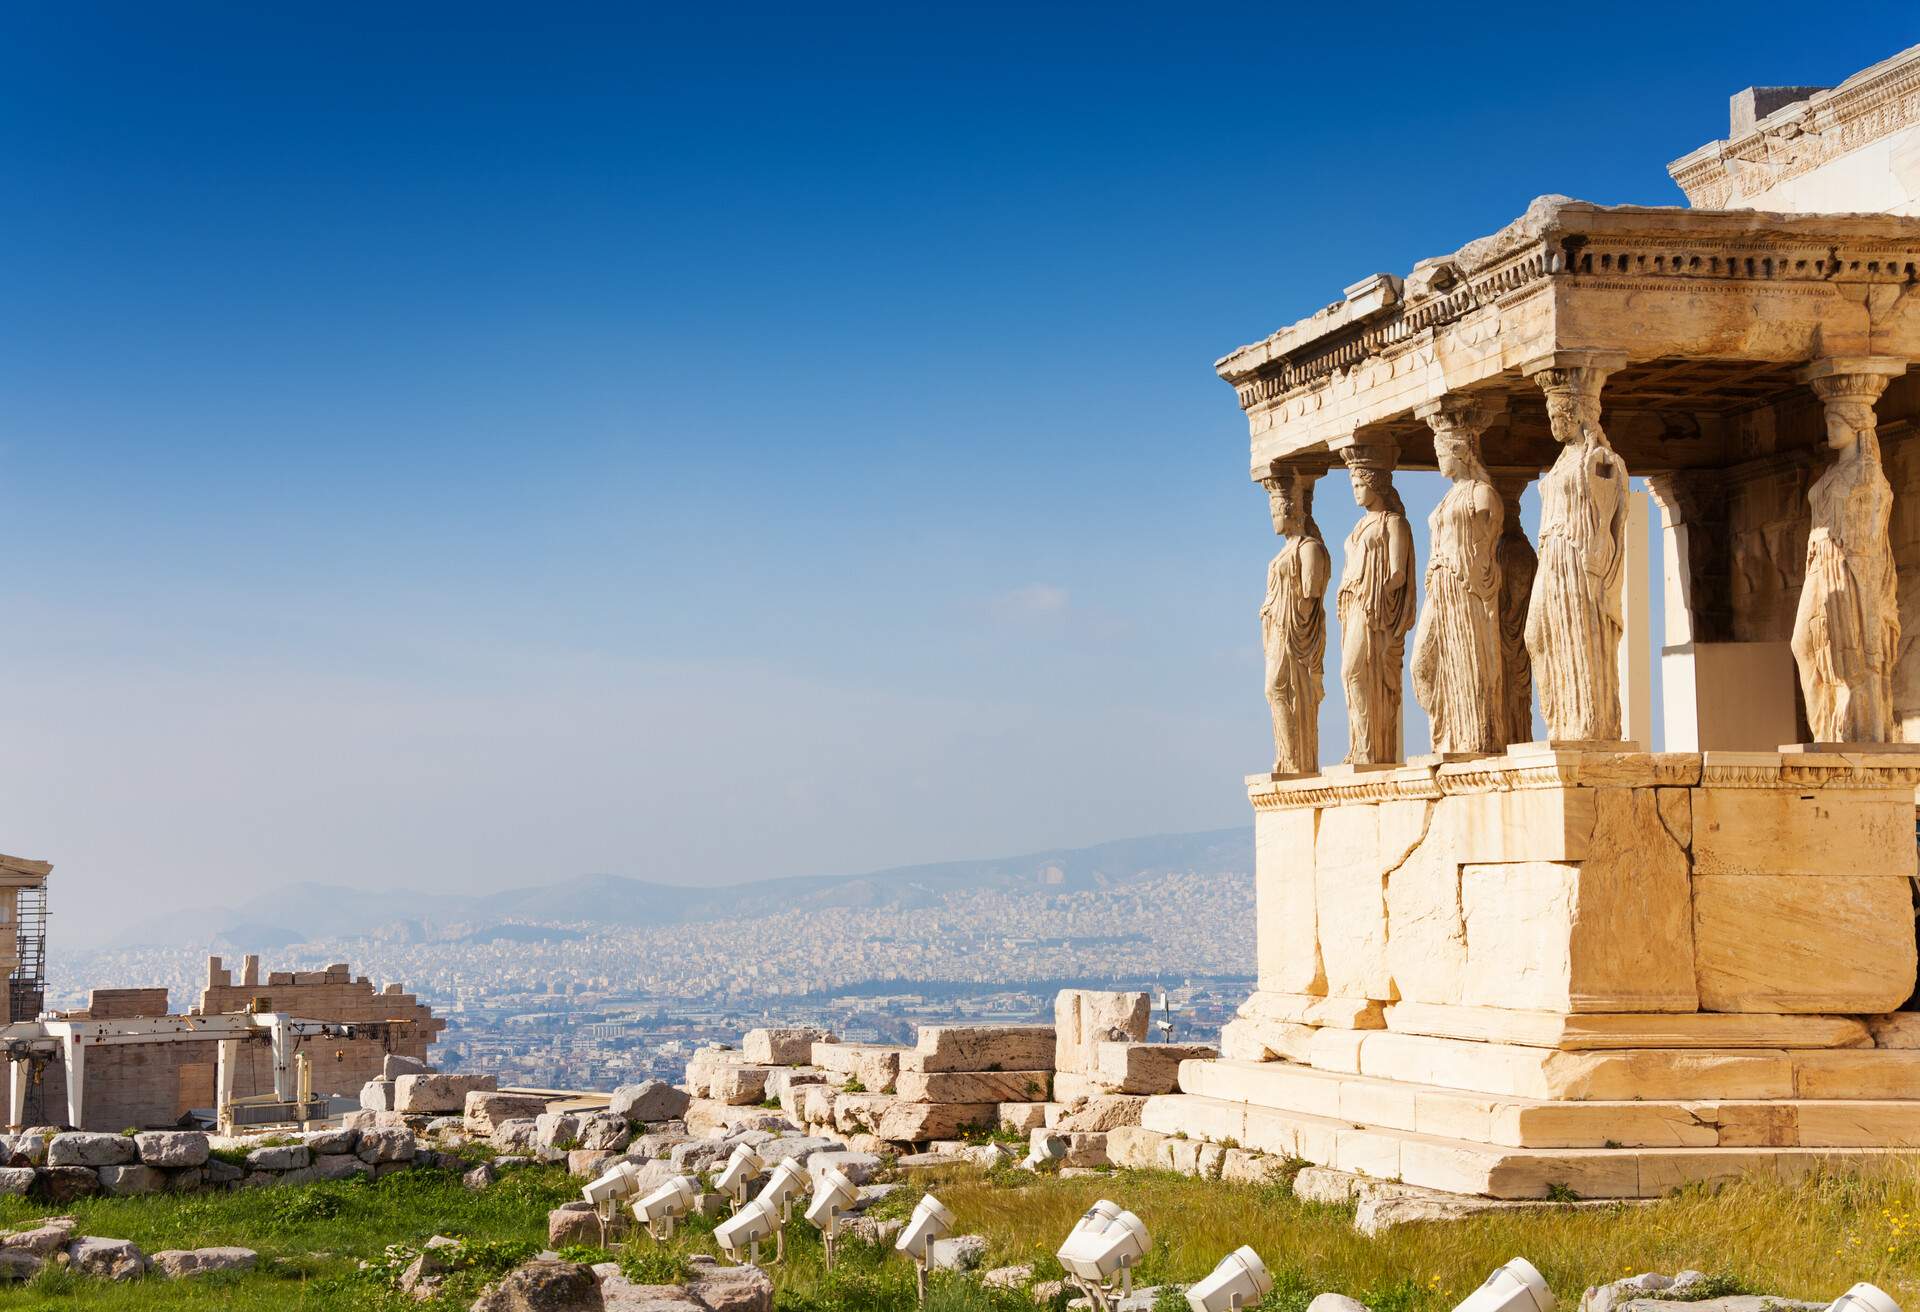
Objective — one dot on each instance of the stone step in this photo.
(1459, 1166)
(1666, 1074)
(1515, 1122)
(1581, 1032)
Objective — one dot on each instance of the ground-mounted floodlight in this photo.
(606, 1192)
(743, 1168)
(787, 1179)
(1101, 1252)
(665, 1205)
(833, 1194)
(930, 1221)
(739, 1236)
(1043, 1148)
(1864, 1297)
(1516, 1287)
(1240, 1280)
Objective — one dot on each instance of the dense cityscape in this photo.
(579, 1006)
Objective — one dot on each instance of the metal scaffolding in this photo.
(27, 986)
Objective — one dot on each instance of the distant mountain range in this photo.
(306, 912)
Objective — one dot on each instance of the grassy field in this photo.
(1809, 1240)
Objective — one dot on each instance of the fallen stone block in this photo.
(1148, 1068)
(1070, 1147)
(1239, 1166)
(702, 1066)
(917, 1122)
(859, 1168)
(1073, 1087)
(873, 1065)
(573, 1223)
(377, 1096)
(130, 1180)
(1085, 1018)
(1020, 1117)
(605, 1130)
(280, 1157)
(394, 1065)
(789, 1046)
(178, 1263)
(64, 1184)
(1107, 1112)
(1138, 1149)
(959, 1253)
(433, 1095)
(25, 1149)
(542, 1285)
(333, 1141)
(81, 1149)
(618, 1294)
(485, 1111)
(384, 1146)
(172, 1148)
(337, 1166)
(718, 1119)
(1248, 1039)
(981, 1048)
(973, 1086)
(43, 1240)
(557, 1130)
(18, 1264)
(649, 1101)
(106, 1259)
(739, 1085)
(1008, 1277)
(586, 1163)
(802, 1148)
(728, 1288)
(16, 1180)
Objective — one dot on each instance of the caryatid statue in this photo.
(1573, 618)
(1293, 622)
(1375, 606)
(1846, 633)
(1456, 645)
(1518, 563)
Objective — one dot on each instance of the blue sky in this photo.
(466, 445)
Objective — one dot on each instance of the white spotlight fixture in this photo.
(787, 1179)
(1046, 1147)
(665, 1205)
(608, 1191)
(1864, 1297)
(1516, 1287)
(739, 1236)
(742, 1169)
(1101, 1251)
(1240, 1279)
(930, 1221)
(833, 1194)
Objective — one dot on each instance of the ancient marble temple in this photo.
(1525, 962)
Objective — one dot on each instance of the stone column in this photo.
(1293, 619)
(1375, 606)
(1846, 633)
(1456, 645)
(1518, 563)
(1573, 616)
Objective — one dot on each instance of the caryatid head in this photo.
(1370, 467)
(1848, 420)
(1290, 500)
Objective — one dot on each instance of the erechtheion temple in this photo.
(1539, 961)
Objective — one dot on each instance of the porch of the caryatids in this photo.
(1846, 631)
(1574, 613)
(1293, 619)
(1456, 644)
(1375, 606)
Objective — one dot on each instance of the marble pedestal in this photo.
(1570, 968)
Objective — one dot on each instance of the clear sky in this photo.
(463, 446)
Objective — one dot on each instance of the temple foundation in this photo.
(1604, 972)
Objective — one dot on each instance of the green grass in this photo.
(1808, 1240)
